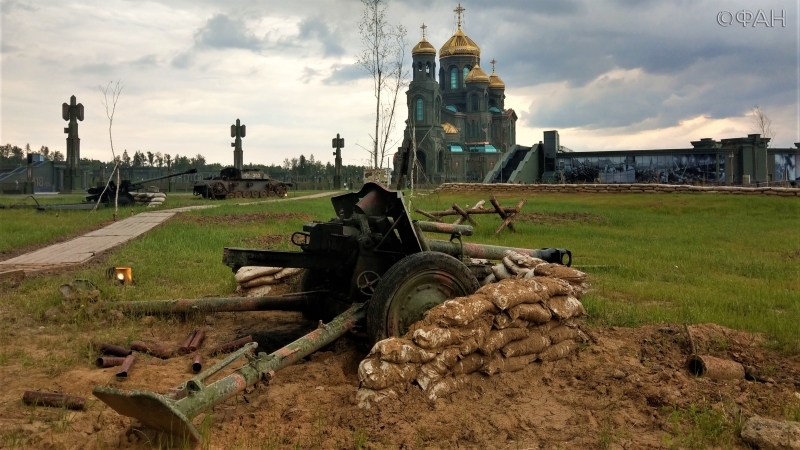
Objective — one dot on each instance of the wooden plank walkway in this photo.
(86, 247)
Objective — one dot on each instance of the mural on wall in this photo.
(786, 168)
(673, 169)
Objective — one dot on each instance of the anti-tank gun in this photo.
(106, 195)
(371, 266)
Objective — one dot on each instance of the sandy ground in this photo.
(629, 389)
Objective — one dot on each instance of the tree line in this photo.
(300, 167)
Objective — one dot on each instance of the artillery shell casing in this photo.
(230, 346)
(54, 399)
(155, 350)
(126, 366)
(110, 349)
(184, 349)
(110, 361)
(197, 364)
(197, 340)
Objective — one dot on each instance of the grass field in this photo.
(731, 260)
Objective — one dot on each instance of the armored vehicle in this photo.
(245, 183)
(125, 188)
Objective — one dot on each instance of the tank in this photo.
(245, 183)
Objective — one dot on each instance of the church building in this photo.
(459, 121)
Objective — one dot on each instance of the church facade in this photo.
(457, 119)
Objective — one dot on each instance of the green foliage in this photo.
(701, 427)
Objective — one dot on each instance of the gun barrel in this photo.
(136, 183)
(496, 252)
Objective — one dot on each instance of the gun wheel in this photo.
(411, 287)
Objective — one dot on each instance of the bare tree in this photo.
(382, 57)
(111, 106)
(762, 123)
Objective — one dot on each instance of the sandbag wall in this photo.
(503, 327)
(256, 281)
(149, 199)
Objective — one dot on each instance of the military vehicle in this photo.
(245, 183)
(125, 188)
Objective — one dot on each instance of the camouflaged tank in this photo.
(246, 183)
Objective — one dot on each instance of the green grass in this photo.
(699, 427)
(730, 260)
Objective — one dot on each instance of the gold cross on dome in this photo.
(493, 62)
(459, 11)
(423, 29)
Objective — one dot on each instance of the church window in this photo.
(475, 103)
(464, 78)
(419, 108)
(453, 78)
(428, 69)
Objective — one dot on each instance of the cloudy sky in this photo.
(608, 74)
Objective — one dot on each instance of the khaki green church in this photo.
(459, 121)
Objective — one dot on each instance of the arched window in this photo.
(474, 102)
(464, 78)
(453, 78)
(420, 108)
(428, 69)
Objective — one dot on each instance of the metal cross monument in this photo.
(238, 131)
(338, 144)
(72, 112)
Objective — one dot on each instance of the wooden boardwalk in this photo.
(86, 247)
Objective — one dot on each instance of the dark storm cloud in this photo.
(345, 74)
(315, 29)
(222, 31)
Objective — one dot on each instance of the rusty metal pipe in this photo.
(446, 228)
(166, 414)
(552, 255)
(110, 349)
(184, 348)
(155, 350)
(126, 366)
(197, 340)
(197, 363)
(230, 346)
(109, 361)
(287, 302)
(714, 368)
(54, 399)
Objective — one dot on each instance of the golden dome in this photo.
(424, 47)
(476, 75)
(449, 128)
(495, 82)
(460, 44)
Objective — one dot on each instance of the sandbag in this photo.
(500, 272)
(459, 311)
(365, 398)
(470, 363)
(558, 351)
(563, 333)
(262, 281)
(248, 273)
(562, 272)
(439, 367)
(554, 286)
(498, 339)
(545, 327)
(159, 195)
(287, 272)
(565, 307)
(511, 267)
(503, 321)
(258, 291)
(501, 364)
(157, 199)
(376, 374)
(400, 351)
(433, 336)
(535, 313)
(521, 260)
(533, 344)
(445, 387)
(514, 292)
(489, 279)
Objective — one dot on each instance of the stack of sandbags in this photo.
(150, 199)
(256, 281)
(503, 327)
